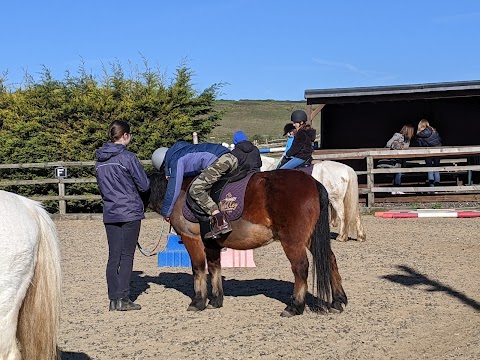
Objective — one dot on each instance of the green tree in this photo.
(67, 120)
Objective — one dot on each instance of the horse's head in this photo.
(158, 188)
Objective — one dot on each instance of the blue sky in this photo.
(261, 49)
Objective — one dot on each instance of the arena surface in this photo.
(413, 288)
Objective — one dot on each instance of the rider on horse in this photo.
(302, 147)
(246, 152)
(207, 160)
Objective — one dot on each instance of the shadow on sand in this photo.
(412, 278)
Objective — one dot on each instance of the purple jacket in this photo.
(120, 178)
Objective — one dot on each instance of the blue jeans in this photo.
(397, 180)
(122, 239)
(433, 175)
(293, 163)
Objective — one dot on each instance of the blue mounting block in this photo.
(175, 253)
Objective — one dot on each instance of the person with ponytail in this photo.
(121, 180)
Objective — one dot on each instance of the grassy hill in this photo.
(260, 119)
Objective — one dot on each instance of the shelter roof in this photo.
(393, 93)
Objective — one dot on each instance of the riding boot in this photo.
(113, 305)
(220, 226)
(125, 304)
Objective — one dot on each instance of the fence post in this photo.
(370, 182)
(62, 204)
(195, 138)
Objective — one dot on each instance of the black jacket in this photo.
(427, 137)
(247, 153)
(302, 146)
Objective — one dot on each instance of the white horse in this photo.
(30, 279)
(341, 183)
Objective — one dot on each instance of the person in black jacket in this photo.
(302, 146)
(427, 136)
(246, 152)
(121, 180)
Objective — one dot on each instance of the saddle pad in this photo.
(306, 169)
(231, 200)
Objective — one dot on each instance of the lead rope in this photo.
(152, 253)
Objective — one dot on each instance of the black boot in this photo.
(125, 304)
(220, 226)
(113, 305)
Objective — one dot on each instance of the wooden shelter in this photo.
(366, 117)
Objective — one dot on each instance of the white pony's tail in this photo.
(39, 316)
(350, 203)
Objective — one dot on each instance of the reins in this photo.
(152, 253)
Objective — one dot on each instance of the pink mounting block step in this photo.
(230, 258)
(424, 213)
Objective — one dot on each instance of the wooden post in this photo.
(311, 114)
(62, 204)
(370, 182)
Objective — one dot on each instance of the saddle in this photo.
(228, 193)
(306, 163)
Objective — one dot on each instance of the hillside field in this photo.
(261, 120)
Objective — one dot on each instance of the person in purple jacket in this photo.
(207, 160)
(120, 178)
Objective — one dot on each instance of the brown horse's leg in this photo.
(299, 262)
(215, 270)
(196, 251)
(338, 294)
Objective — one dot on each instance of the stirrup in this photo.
(211, 236)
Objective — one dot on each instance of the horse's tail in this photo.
(321, 250)
(350, 202)
(39, 316)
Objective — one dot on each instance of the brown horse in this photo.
(284, 205)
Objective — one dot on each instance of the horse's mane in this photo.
(158, 187)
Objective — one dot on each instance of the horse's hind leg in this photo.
(197, 256)
(361, 235)
(215, 270)
(342, 226)
(338, 294)
(8, 340)
(299, 262)
(12, 294)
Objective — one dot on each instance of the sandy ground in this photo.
(413, 288)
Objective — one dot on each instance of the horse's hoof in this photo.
(336, 307)
(342, 238)
(195, 307)
(214, 305)
(286, 314)
(292, 311)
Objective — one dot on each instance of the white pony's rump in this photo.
(341, 183)
(30, 280)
